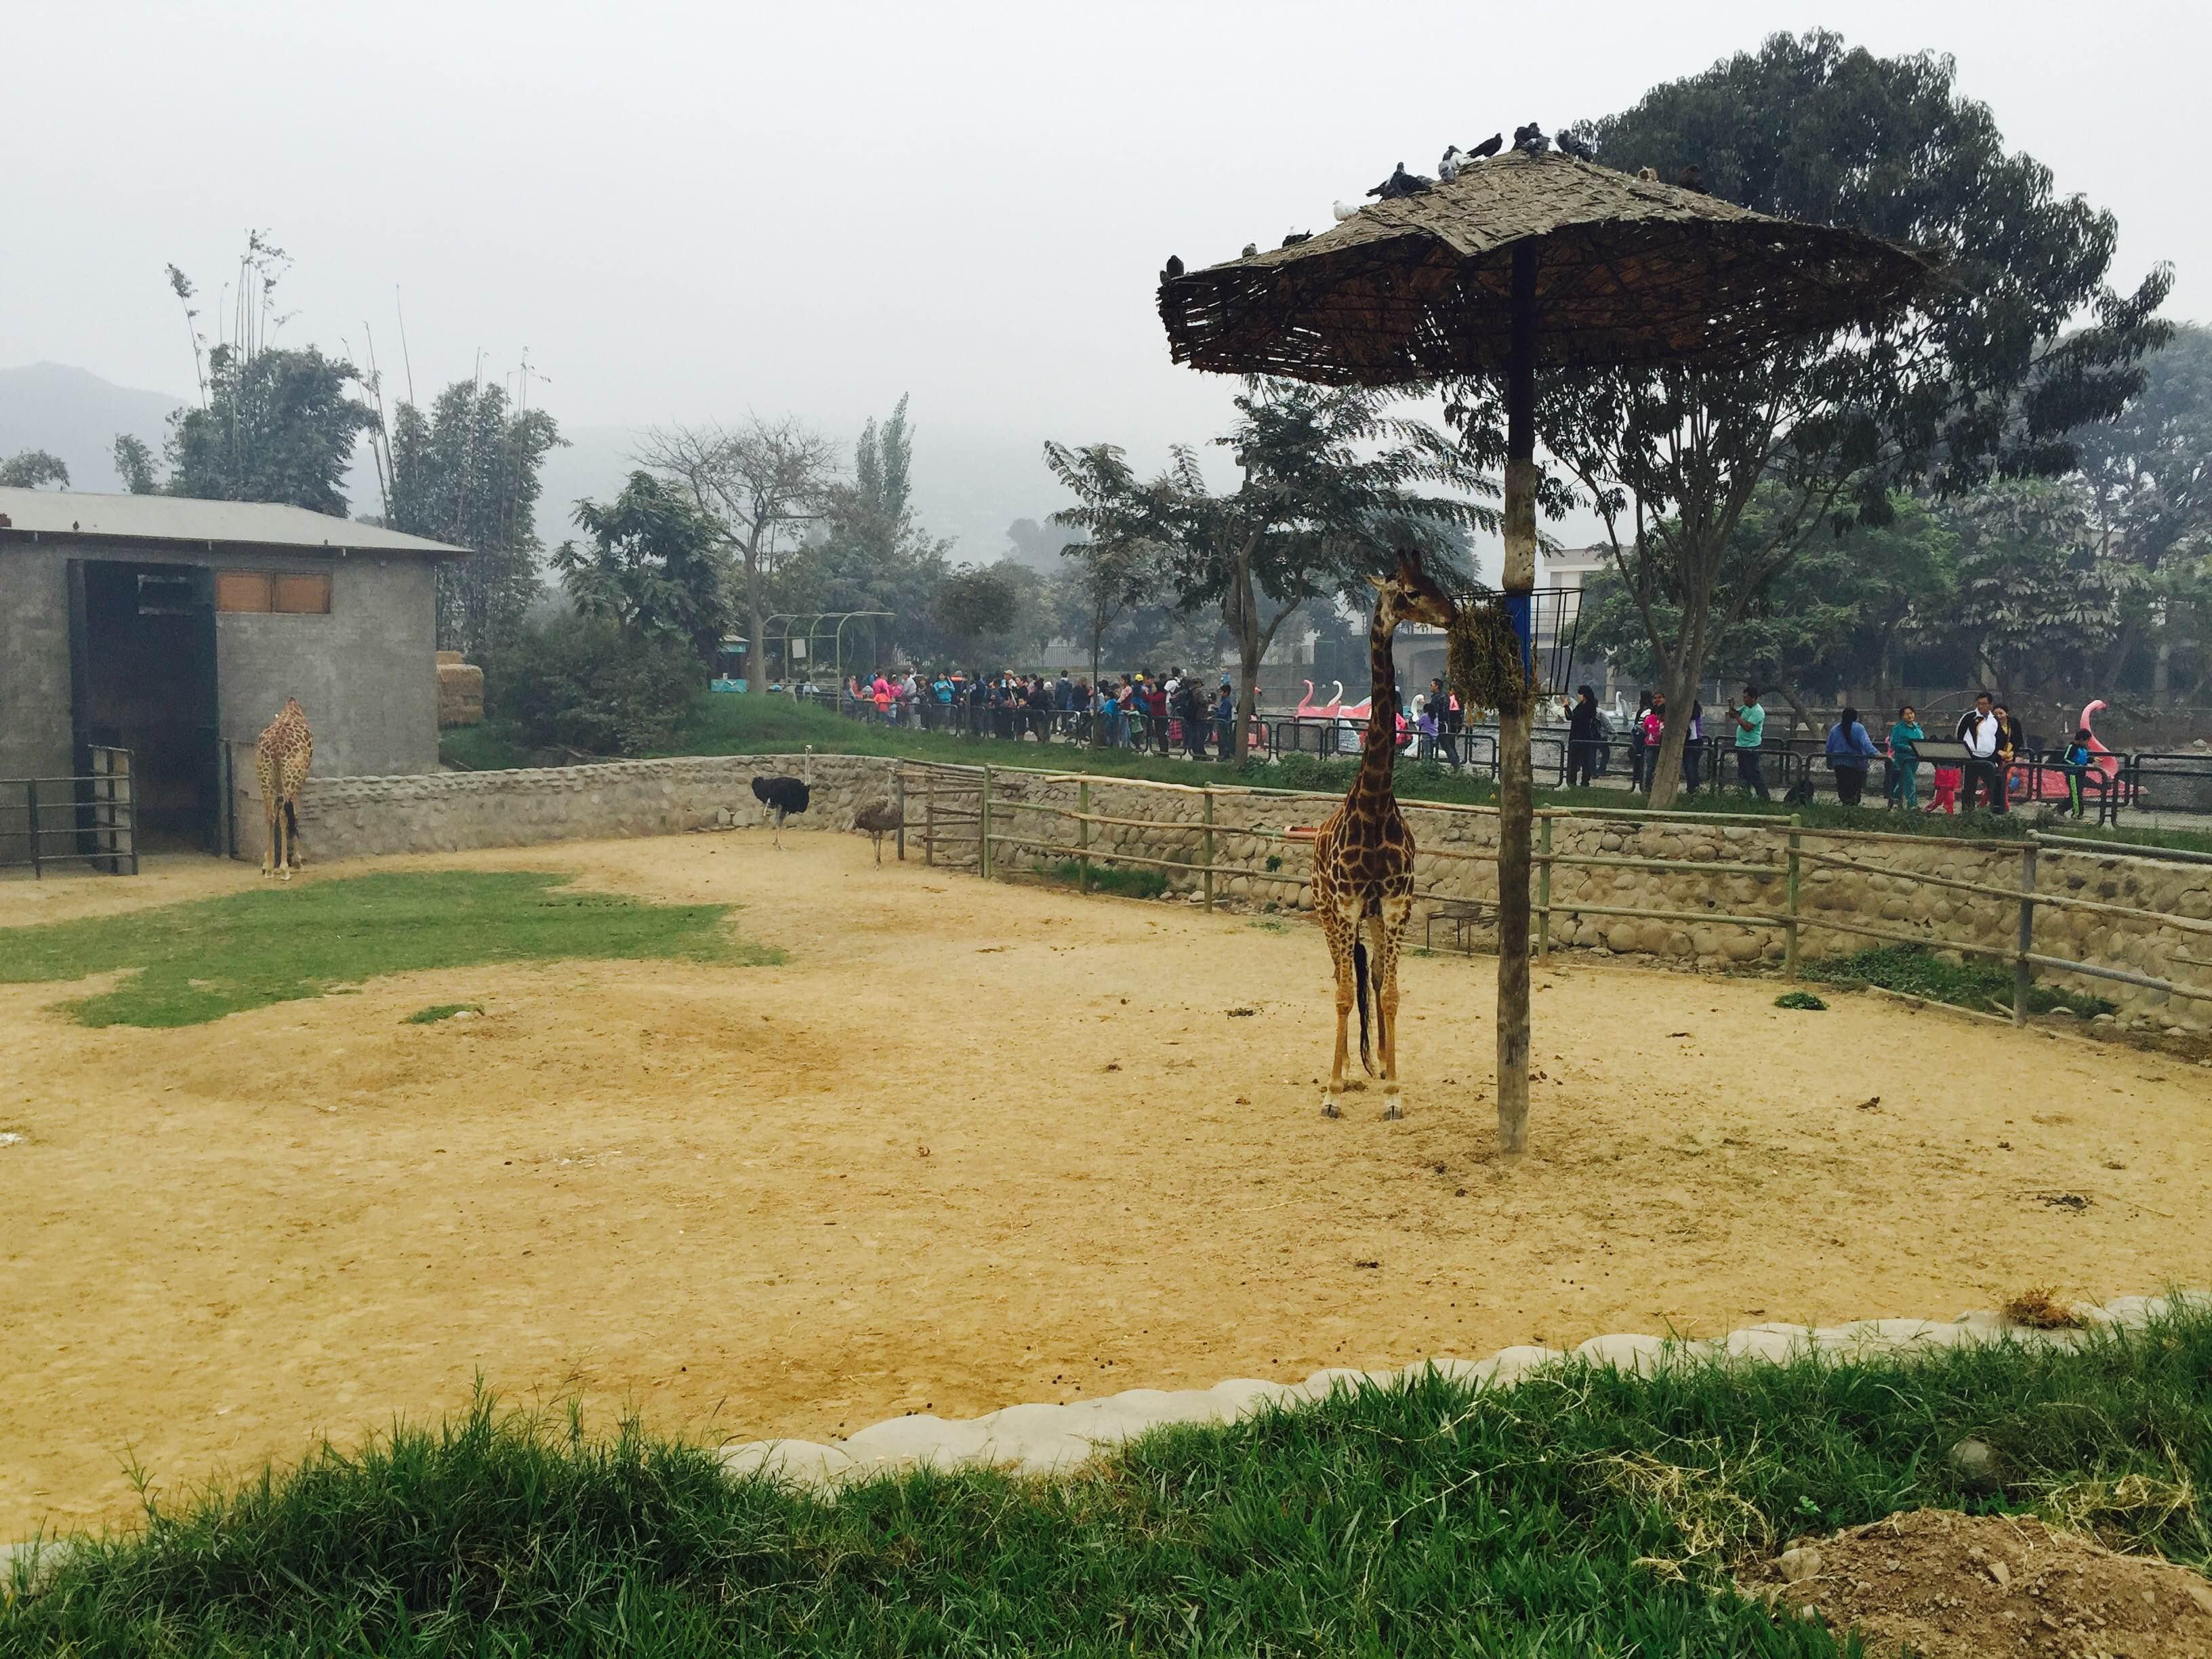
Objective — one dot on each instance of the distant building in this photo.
(175, 628)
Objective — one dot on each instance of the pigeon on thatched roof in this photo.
(1530, 140)
(1251, 251)
(1570, 145)
(1400, 184)
(1489, 147)
(1297, 236)
(1172, 269)
(1690, 178)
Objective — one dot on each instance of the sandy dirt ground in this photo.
(973, 1144)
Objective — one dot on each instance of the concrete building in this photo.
(176, 628)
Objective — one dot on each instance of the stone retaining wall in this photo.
(453, 812)
(348, 818)
(1883, 893)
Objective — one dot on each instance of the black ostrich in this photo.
(781, 796)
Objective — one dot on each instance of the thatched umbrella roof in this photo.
(1632, 272)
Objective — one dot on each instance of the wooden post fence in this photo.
(1544, 888)
(983, 844)
(1083, 836)
(1209, 852)
(2023, 970)
(1790, 928)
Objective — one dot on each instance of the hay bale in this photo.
(460, 691)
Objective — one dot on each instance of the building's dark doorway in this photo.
(141, 670)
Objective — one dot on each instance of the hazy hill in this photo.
(74, 414)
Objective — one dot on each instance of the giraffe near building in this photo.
(281, 756)
(1363, 860)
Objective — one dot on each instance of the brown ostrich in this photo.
(880, 817)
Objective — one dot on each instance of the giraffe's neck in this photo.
(1378, 750)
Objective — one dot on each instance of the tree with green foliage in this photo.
(869, 554)
(653, 566)
(32, 469)
(758, 483)
(1848, 602)
(274, 423)
(1978, 381)
(2040, 592)
(467, 473)
(972, 606)
(133, 464)
(2150, 468)
(585, 684)
(279, 426)
(1114, 561)
(1331, 487)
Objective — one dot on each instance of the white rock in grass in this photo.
(1511, 1364)
(1631, 1355)
(923, 1439)
(1776, 1343)
(805, 1461)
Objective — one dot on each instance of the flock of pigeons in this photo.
(1529, 140)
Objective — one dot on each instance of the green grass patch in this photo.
(1974, 983)
(1580, 1512)
(438, 1011)
(194, 963)
(1128, 882)
(1804, 1000)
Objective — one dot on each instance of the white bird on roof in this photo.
(1343, 210)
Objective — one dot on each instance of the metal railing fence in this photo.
(92, 818)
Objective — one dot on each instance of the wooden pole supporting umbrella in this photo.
(1526, 261)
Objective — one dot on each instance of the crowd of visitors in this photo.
(1997, 753)
(1176, 714)
(1180, 713)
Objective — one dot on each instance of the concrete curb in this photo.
(1045, 1439)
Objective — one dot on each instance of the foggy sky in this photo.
(684, 211)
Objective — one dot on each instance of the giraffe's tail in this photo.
(291, 823)
(1359, 982)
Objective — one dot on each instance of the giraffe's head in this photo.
(1407, 594)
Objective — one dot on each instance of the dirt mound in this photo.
(1952, 1586)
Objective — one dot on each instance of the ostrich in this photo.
(880, 817)
(781, 796)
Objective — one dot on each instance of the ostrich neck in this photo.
(1378, 750)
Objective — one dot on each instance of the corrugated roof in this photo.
(196, 523)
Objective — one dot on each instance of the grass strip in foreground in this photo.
(1578, 1513)
(196, 962)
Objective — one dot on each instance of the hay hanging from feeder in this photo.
(1484, 659)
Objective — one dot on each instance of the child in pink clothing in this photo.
(1947, 780)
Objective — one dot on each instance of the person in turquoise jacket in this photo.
(1905, 760)
(2079, 758)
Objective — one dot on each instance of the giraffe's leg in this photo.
(1341, 933)
(266, 775)
(284, 841)
(1389, 926)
